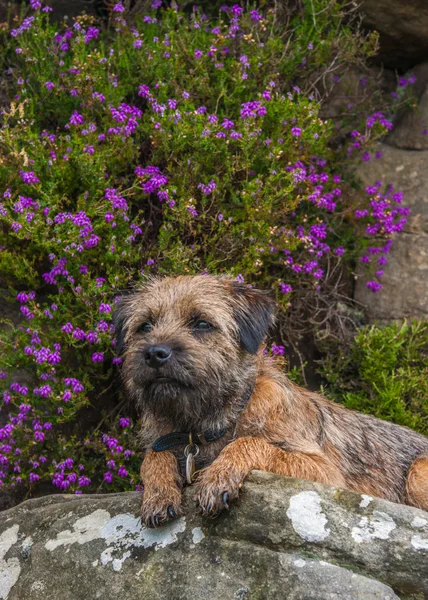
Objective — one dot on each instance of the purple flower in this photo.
(97, 357)
(67, 328)
(122, 472)
(108, 477)
(374, 286)
(44, 391)
(124, 422)
(49, 85)
(236, 10)
(79, 334)
(91, 34)
(39, 436)
(92, 337)
(105, 308)
(277, 350)
(296, 131)
(76, 119)
(29, 177)
(34, 477)
(66, 396)
(209, 188)
(227, 124)
(255, 16)
(119, 8)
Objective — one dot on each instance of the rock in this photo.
(408, 132)
(350, 95)
(354, 88)
(313, 541)
(405, 281)
(403, 29)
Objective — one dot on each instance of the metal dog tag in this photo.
(190, 462)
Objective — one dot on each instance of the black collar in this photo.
(204, 437)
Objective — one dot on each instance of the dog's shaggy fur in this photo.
(283, 428)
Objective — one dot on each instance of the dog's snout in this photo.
(156, 356)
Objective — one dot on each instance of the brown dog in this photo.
(193, 361)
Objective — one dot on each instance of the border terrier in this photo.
(211, 400)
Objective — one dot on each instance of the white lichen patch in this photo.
(419, 522)
(85, 530)
(299, 563)
(10, 569)
(365, 500)
(378, 526)
(307, 518)
(121, 533)
(38, 586)
(125, 530)
(419, 543)
(116, 563)
(197, 535)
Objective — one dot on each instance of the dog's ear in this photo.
(254, 313)
(120, 315)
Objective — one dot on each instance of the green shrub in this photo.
(384, 373)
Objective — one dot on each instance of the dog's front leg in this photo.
(220, 482)
(162, 488)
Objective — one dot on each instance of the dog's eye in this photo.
(145, 328)
(200, 325)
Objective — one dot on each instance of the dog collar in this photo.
(194, 438)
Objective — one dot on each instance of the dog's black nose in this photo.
(156, 356)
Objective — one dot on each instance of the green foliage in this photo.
(384, 373)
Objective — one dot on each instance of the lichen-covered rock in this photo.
(285, 538)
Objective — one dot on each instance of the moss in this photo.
(383, 372)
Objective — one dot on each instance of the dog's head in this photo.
(190, 343)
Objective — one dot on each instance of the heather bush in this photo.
(171, 144)
(384, 372)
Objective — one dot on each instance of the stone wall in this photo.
(404, 163)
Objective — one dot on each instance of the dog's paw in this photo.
(158, 508)
(215, 494)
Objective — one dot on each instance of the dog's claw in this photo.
(225, 498)
(153, 522)
(171, 512)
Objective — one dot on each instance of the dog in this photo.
(212, 400)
